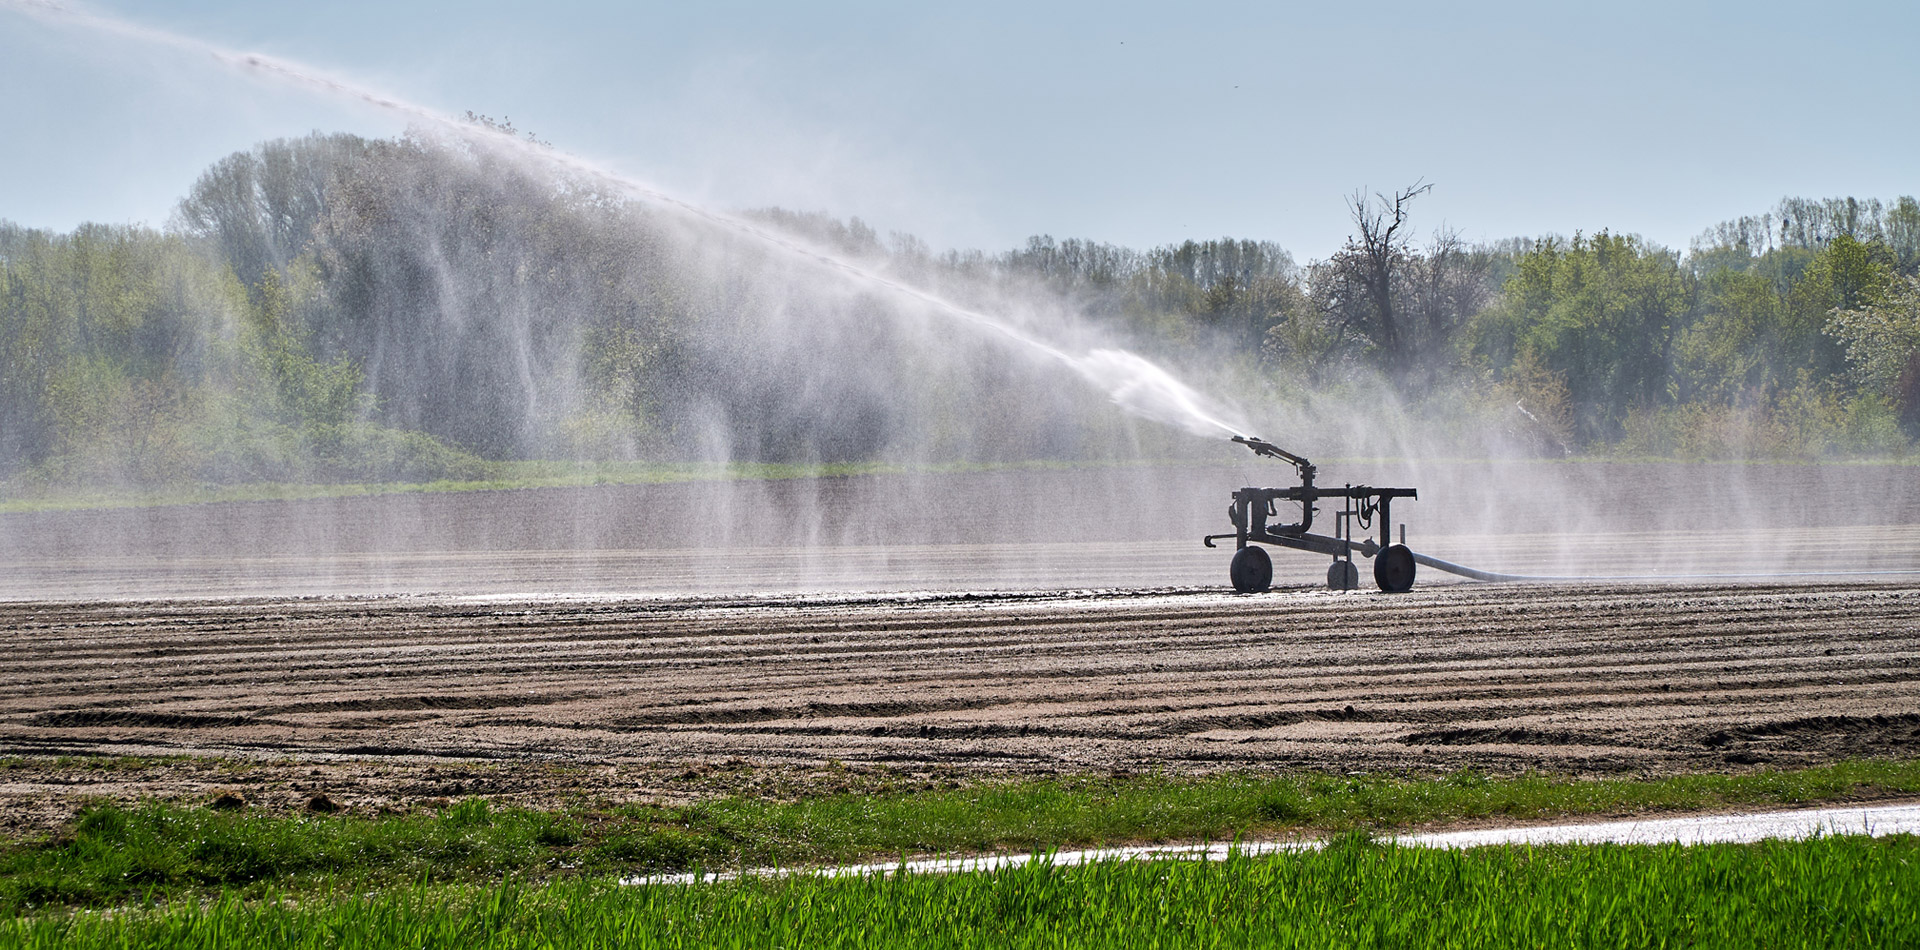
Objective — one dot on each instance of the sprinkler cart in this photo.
(1252, 568)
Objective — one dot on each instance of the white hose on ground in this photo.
(1480, 575)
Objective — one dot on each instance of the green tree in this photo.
(1728, 352)
(1882, 343)
(1847, 275)
(1600, 314)
(282, 376)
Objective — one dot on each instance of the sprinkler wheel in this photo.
(1393, 569)
(1252, 570)
(1343, 576)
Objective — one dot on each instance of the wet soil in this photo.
(1127, 526)
(394, 702)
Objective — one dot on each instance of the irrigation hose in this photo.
(1480, 575)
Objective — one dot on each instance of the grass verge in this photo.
(1830, 892)
(503, 476)
(114, 854)
(22, 496)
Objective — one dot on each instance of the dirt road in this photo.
(1564, 678)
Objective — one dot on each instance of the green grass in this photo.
(115, 854)
(23, 496)
(1069, 812)
(1831, 892)
(500, 476)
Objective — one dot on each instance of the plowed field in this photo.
(394, 698)
(1579, 679)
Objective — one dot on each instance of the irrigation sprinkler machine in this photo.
(1363, 506)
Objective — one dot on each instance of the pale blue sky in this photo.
(978, 124)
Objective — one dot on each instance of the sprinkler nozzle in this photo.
(1268, 449)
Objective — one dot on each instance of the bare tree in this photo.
(1373, 259)
(1447, 285)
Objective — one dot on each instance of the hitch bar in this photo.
(1316, 543)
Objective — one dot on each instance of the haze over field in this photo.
(505, 299)
(458, 297)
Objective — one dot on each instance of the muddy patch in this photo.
(1876, 735)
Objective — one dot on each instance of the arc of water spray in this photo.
(1133, 382)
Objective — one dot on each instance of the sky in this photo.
(977, 125)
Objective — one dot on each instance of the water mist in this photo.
(1135, 384)
(1111, 526)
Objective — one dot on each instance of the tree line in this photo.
(1791, 333)
(339, 308)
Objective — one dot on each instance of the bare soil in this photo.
(618, 643)
(394, 702)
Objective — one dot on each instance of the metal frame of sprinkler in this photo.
(1252, 568)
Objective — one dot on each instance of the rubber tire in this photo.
(1393, 569)
(1252, 570)
(1343, 576)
